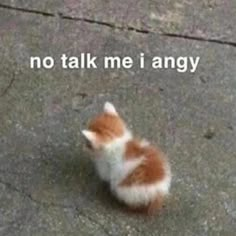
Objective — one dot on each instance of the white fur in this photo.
(112, 167)
(121, 171)
(142, 194)
(89, 135)
(109, 108)
(144, 143)
(111, 157)
(103, 168)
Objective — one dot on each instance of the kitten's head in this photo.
(104, 128)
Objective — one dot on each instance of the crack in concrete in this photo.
(21, 9)
(23, 193)
(8, 86)
(51, 204)
(201, 39)
(107, 24)
(119, 27)
(94, 221)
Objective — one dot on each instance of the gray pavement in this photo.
(47, 183)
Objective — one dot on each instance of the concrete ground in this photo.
(47, 183)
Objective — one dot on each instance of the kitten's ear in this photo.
(109, 108)
(90, 136)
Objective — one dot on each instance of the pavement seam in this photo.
(51, 204)
(119, 27)
(8, 87)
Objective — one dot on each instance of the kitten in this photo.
(138, 174)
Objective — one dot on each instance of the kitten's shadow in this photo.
(75, 180)
(72, 178)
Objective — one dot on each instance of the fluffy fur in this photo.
(138, 174)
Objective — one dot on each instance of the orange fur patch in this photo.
(107, 127)
(133, 149)
(150, 171)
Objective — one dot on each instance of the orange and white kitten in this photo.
(138, 174)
